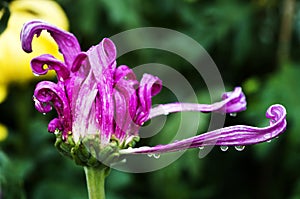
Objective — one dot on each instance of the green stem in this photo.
(285, 34)
(95, 177)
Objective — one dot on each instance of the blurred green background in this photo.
(255, 44)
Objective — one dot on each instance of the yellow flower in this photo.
(14, 62)
(3, 132)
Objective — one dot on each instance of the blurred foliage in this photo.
(5, 16)
(242, 37)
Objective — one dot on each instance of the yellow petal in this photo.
(3, 93)
(14, 62)
(3, 132)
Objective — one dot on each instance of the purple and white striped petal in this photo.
(102, 62)
(125, 100)
(149, 87)
(239, 135)
(84, 94)
(232, 102)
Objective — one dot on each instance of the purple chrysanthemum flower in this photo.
(94, 97)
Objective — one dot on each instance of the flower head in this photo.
(95, 98)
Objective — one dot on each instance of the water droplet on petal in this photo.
(239, 148)
(201, 147)
(233, 114)
(156, 156)
(224, 148)
(166, 112)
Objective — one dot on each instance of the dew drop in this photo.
(224, 148)
(201, 147)
(36, 74)
(233, 114)
(269, 141)
(150, 155)
(44, 113)
(239, 148)
(166, 112)
(156, 156)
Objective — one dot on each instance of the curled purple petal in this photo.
(54, 125)
(149, 86)
(78, 61)
(126, 73)
(67, 42)
(232, 102)
(239, 135)
(37, 66)
(102, 59)
(48, 94)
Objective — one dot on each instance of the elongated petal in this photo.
(101, 59)
(239, 135)
(83, 106)
(125, 102)
(66, 41)
(126, 79)
(232, 102)
(37, 66)
(149, 86)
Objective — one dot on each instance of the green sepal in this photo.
(88, 152)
